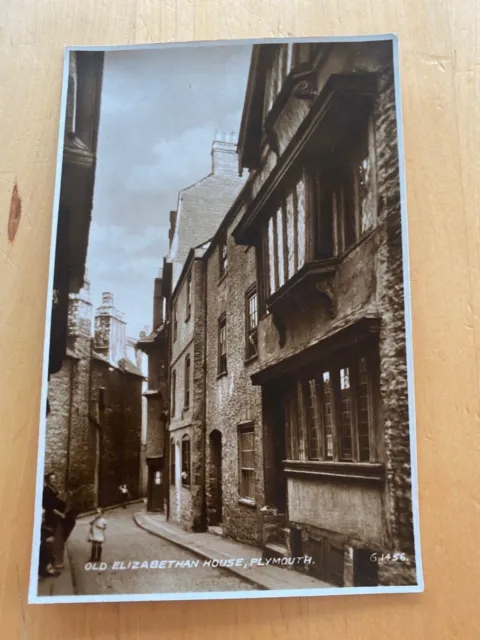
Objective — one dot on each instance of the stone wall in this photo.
(119, 426)
(391, 305)
(56, 439)
(187, 503)
(231, 399)
(368, 282)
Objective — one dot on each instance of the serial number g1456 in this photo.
(388, 557)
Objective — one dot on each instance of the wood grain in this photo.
(440, 71)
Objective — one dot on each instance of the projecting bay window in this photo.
(329, 412)
(320, 214)
(286, 244)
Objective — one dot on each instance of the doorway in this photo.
(156, 496)
(215, 479)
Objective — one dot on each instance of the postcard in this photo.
(227, 402)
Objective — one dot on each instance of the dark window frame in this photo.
(222, 345)
(345, 424)
(251, 323)
(174, 393)
(188, 302)
(186, 382)
(222, 257)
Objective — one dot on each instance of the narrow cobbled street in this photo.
(125, 543)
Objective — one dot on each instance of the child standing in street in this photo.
(124, 495)
(97, 536)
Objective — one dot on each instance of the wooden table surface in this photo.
(440, 71)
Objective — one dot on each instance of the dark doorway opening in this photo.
(215, 479)
(155, 493)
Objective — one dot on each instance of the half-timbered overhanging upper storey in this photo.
(308, 139)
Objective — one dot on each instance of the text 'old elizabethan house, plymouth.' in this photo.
(277, 363)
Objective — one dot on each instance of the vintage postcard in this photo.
(227, 404)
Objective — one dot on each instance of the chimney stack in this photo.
(224, 153)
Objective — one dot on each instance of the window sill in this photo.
(319, 469)
(222, 278)
(247, 502)
(251, 359)
(222, 374)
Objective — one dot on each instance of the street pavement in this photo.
(128, 544)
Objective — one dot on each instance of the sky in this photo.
(159, 114)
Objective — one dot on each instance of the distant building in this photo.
(93, 434)
(155, 346)
(175, 366)
(202, 206)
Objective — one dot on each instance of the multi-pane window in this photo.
(246, 462)
(251, 323)
(222, 257)
(222, 344)
(188, 308)
(174, 392)
(323, 213)
(351, 189)
(186, 461)
(172, 462)
(286, 238)
(187, 376)
(328, 412)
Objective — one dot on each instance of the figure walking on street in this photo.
(97, 536)
(124, 495)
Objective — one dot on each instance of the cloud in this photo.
(159, 113)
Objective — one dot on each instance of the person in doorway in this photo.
(124, 495)
(96, 536)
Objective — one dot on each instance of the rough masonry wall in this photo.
(231, 399)
(120, 425)
(393, 365)
(187, 502)
(81, 477)
(56, 440)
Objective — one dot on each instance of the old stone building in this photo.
(93, 432)
(76, 193)
(234, 455)
(322, 214)
(203, 205)
(201, 208)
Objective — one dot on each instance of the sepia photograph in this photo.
(228, 393)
